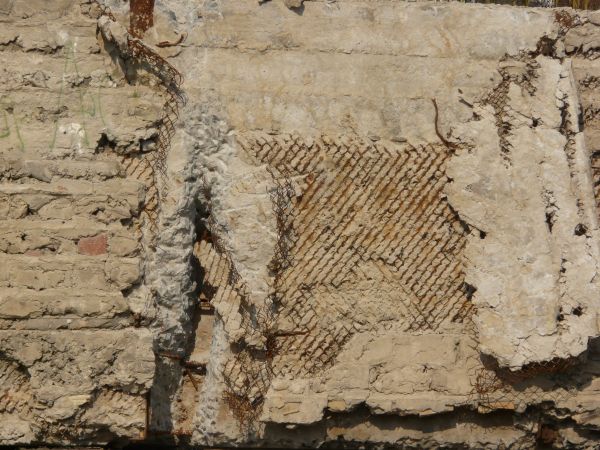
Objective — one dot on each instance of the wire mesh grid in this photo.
(494, 387)
(321, 191)
(502, 389)
(430, 269)
(151, 168)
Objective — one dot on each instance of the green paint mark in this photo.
(6, 131)
(90, 103)
(21, 143)
(101, 114)
(91, 109)
(60, 96)
(81, 100)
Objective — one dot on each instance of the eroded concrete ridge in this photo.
(288, 223)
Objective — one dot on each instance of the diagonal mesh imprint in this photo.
(493, 387)
(497, 389)
(142, 168)
(359, 211)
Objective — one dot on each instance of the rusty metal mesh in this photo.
(151, 168)
(323, 189)
(343, 208)
(536, 383)
(498, 99)
(360, 203)
(493, 387)
(246, 375)
(142, 168)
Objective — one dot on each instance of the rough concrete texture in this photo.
(299, 223)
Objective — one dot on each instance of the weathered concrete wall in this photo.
(354, 223)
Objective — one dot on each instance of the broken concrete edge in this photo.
(178, 314)
(579, 347)
(507, 363)
(521, 356)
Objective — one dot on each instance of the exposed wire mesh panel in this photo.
(150, 168)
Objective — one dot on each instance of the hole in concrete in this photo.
(550, 220)
(545, 46)
(469, 290)
(147, 145)
(104, 144)
(297, 9)
(203, 291)
(547, 435)
(580, 230)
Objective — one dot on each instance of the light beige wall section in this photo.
(376, 226)
(533, 197)
(362, 76)
(75, 365)
(371, 66)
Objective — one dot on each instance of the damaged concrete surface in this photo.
(539, 218)
(294, 223)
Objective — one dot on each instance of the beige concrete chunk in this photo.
(45, 272)
(299, 224)
(19, 304)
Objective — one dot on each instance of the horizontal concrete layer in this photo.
(110, 200)
(76, 235)
(46, 170)
(69, 271)
(20, 304)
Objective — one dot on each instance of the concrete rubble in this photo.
(298, 224)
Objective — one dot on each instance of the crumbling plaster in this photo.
(376, 224)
